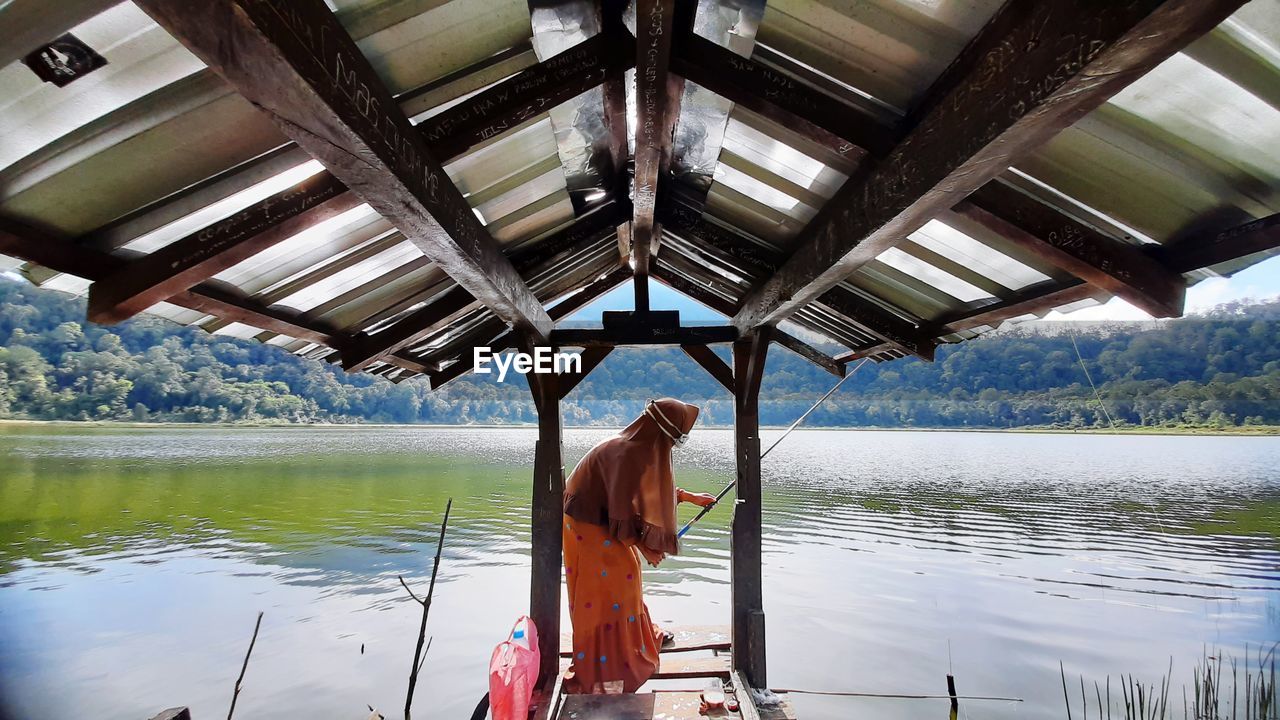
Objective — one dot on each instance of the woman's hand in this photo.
(699, 499)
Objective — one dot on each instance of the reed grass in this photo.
(1221, 689)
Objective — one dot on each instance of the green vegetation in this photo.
(1213, 372)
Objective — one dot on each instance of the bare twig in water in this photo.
(244, 666)
(419, 653)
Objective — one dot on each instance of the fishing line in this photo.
(1098, 396)
(794, 425)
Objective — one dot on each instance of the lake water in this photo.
(133, 562)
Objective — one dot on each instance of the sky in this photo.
(1260, 282)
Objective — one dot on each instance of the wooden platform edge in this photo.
(688, 638)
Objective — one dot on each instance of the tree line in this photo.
(1221, 369)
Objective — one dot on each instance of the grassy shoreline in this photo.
(1245, 430)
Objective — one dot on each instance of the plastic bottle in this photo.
(713, 693)
(518, 635)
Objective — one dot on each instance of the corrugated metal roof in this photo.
(155, 147)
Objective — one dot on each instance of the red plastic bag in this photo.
(513, 672)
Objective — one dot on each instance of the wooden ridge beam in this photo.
(657, 105)
(1055, 61)
(838, 126)
(1122, 269)
(591, 357)
(295, 62)
(615, 106)
(32, 244)
(529, 93)
(712, 363)
(191, 260)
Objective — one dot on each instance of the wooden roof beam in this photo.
(184, 263)
(657, 107)
(838, 126)
(533, 91)
(62, 255)
(1053, 63)
(1118, 267)
(1207, 250)
(295, 61)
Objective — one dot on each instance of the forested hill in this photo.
(1217, 370)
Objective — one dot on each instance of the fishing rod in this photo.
(794, 425)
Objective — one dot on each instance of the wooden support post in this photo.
(746, 579)
(547, 513)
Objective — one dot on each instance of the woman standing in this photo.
(619, 506)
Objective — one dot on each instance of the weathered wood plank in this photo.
(1122, 269)
(294, 61)
(199, 256)
(1057, 61)
(688, 638)
(638, 706)
(682, 666)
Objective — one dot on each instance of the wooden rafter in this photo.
(1203, 251)
(528, 94)
(762, 262)
(1033, 300)
(587, 232)
(1118, 267)
(295, 61)
(657, 105)
(63, 255)
(833, 124)
(160, 275)
(1054, 62)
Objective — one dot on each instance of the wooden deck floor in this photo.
(699, 653)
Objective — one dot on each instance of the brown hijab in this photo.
(625, 483)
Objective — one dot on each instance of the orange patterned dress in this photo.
(615, 643)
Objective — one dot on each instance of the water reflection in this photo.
(132, 562)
